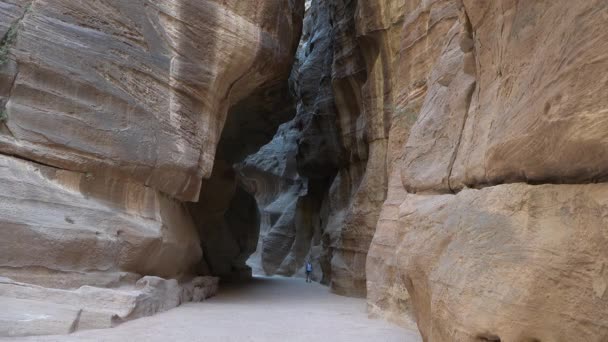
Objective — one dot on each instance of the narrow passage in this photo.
(267, 309)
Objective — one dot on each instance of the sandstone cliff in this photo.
(447, 159)
(111, 115)
(494, 224)
(471, 141)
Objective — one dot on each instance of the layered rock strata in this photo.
(341, 133)
(480, 238)
(35, 310)
(111, 113)
(471, 146)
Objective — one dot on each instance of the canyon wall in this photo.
(111, 115)
(290, 175)
(466, 192)
(495, 221)
(321, 182)
(445, 158)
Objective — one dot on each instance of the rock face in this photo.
(59, 224)
(341, 133)
(471, 138)
(502, 96)
(142, 93)
(35, 310)
(290, 176)
(227, 216)
(444, 158)
(111, 113)
(504, 250)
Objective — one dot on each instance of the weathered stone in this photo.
(435, 138)
(34, 310)
(228, 218)
(111, 113)
(144, 92)
(502, 262)
(538, 114)
(73, 223)
(290, 175)
(511, 262)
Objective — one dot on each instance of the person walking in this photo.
(308, 271)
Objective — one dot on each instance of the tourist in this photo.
(308, 271)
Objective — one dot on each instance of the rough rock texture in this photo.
(111, 113)
(538, 100)
(532, 256)
(327, 209)
(137, 89)
(64, 224)
(272, 176)
(34, 310)
(447, 157)
(502, 92)
(290, 175)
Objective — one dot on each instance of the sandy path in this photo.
(269, 309)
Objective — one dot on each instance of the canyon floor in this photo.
(267, 309)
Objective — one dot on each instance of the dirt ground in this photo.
(268, 309)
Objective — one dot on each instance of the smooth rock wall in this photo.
(111, 116)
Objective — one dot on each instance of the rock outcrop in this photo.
(479, 238)
(34, 310)
(290, 176)
(445, 158)
(136, 89)
(111, 114)
(471, 144)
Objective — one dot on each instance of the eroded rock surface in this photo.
(142, 93)
(290, 176)
(111, 114)
(35, 310)
(501, 94)
(447, 158)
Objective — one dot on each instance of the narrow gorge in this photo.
(444, 160)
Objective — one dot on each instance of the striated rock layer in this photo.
(111, 117)
(503, 95)
(142, 93)
(34, 310)
(470, 162)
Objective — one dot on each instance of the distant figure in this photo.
(308, 271)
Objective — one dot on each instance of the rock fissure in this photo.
(10, 36)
